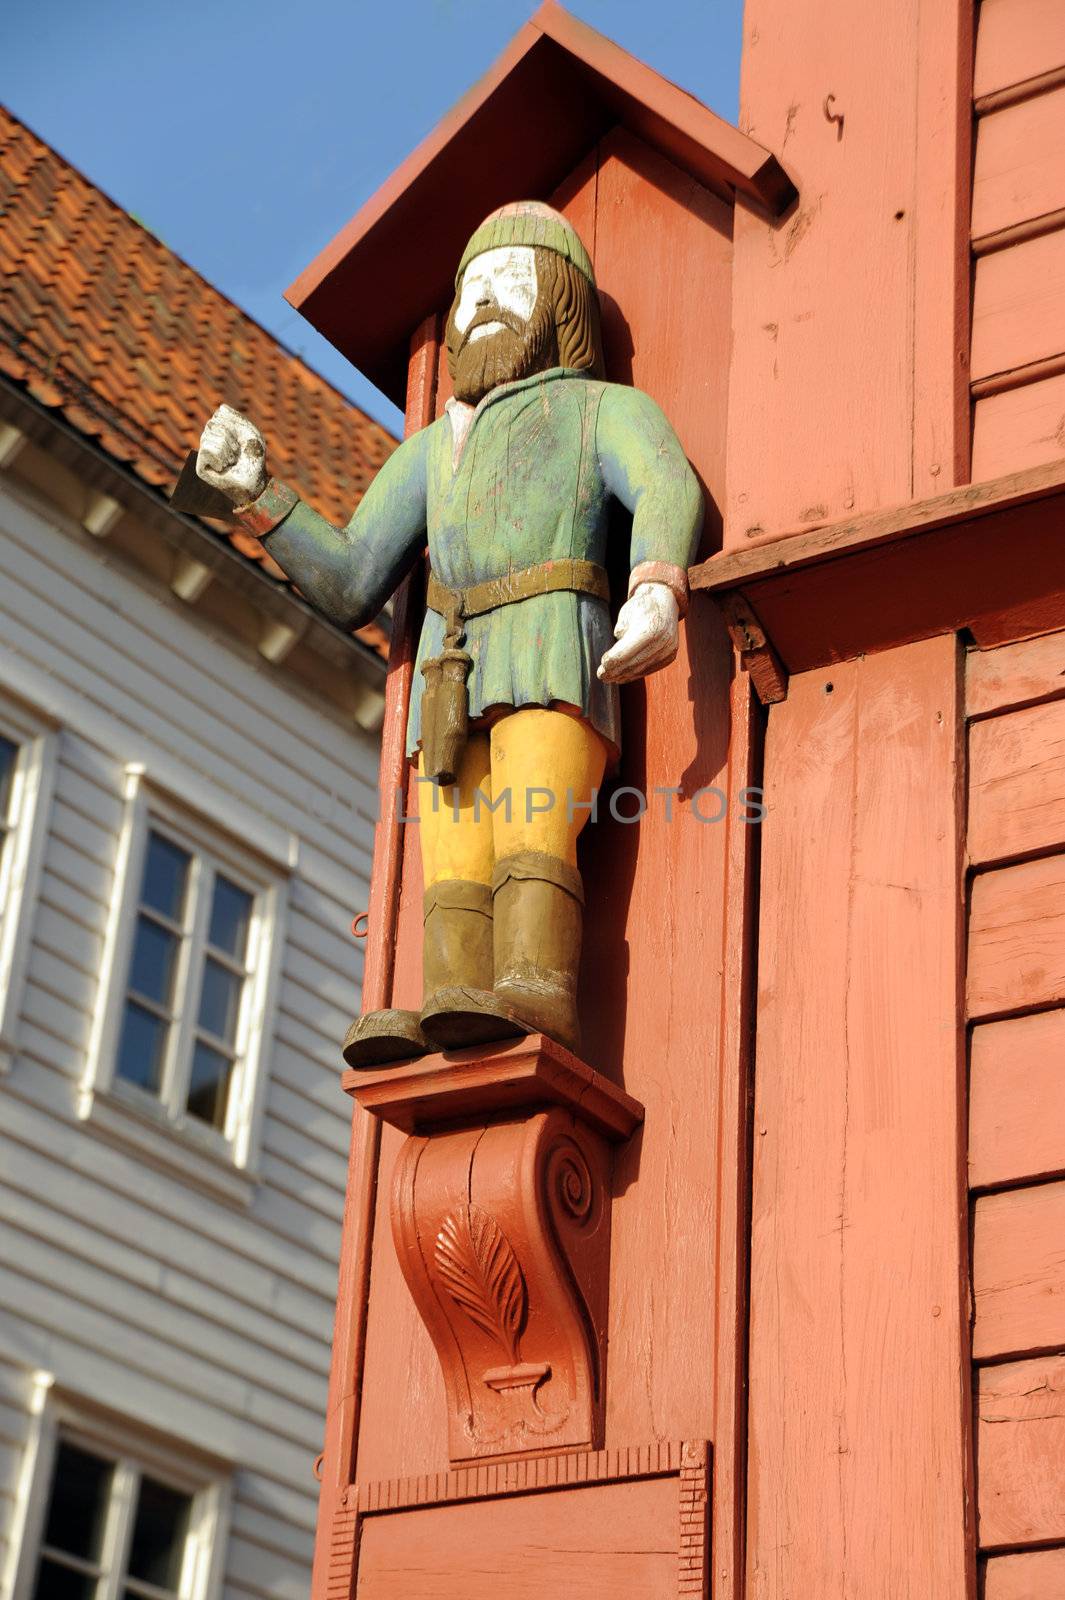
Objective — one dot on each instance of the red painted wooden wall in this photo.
(836, 1243)
(848, 383)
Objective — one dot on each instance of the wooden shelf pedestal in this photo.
(500, 1211)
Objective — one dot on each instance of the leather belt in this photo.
(550, 577)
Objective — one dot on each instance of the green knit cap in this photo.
(528, 222)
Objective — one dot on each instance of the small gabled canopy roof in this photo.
(516, 135)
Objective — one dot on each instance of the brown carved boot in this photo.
(460, 1007)
(378, 1038)
(456, 976)
(538, 909)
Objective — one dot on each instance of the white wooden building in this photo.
(188, 765)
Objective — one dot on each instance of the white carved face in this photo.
(504, 277)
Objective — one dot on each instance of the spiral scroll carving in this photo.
(569, 1182)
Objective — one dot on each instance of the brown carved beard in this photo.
(518, 349)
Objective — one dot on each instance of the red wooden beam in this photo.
(987, 557)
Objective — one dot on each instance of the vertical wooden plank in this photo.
(859, 1457)
(850, 315)
(941, 209)
(795, 1287)
(735, 1081)
(397, 1441)
(576, 197)
(652, 1015)
(357, 1237)
(403, 1421)
(651, 1007)
(658, 232)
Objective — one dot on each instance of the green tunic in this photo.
(531, 483)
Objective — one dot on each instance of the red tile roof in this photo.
(102, 322)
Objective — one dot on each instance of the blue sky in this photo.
(246, 134)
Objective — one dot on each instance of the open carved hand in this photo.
(648, 634)
(232, 456)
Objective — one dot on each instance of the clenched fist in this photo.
(232, 457)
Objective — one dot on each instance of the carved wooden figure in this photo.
(514, 714)
(541, 1297)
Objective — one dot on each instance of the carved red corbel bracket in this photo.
(501, 1219)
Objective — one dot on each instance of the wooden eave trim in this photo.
(185, 534)
(769, 557)
(988, 558)
(744, 165)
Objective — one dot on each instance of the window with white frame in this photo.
(185, 1008)
(27, 765)
(190, 981)
(8, 762)
(106, 1512)
(111, 1528)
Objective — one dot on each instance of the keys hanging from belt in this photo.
(446, 700)
(446, 697)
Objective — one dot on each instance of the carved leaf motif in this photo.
(481, 1273)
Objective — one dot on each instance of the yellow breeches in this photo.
(522, 786)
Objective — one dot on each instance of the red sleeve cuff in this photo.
(674, 578)
(262, 515)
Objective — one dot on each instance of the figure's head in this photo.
(525, 300)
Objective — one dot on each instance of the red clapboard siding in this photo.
(1019, 305)
(1017, 1099)
(1020, 1453)
(1017, 40)
(1019, 428)
(999, 680)
(1019, 172)
(1031, 1575)
(1017, 938)
(1017, 783)
(1019, 1271)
